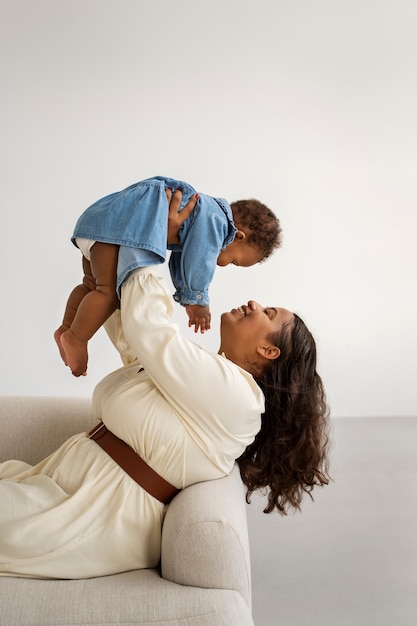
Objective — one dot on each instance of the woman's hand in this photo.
(176, 218)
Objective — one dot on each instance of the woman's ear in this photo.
(269, 351)
(240, 236)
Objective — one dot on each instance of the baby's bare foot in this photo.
(57, 337)
(75, 352)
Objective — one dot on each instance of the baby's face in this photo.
(240, 253)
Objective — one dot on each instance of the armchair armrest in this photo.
(205, 537)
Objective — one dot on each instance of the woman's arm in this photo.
(205, 387)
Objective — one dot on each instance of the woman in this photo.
(189, 414)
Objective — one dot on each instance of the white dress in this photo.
(188, 413)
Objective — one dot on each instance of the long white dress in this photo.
(187, 412)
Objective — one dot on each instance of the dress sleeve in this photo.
(214, 396)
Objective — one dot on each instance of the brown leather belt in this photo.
(132, 464)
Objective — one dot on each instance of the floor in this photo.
(350, 558)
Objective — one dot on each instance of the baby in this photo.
(129, 229)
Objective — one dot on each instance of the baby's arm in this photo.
(193, 266)
(199, 317)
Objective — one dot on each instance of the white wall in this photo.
(308, 105)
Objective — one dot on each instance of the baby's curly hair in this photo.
(264, 226)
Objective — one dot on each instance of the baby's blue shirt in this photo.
(136, 219)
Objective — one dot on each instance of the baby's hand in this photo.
(199, 317)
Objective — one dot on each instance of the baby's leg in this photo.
(97, 304)
(73, 302)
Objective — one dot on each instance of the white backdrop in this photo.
(309, 105)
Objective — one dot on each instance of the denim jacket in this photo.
(136, 219)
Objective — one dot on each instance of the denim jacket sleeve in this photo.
(192, 268)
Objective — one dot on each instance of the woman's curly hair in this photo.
(289, 455)
(263, 224)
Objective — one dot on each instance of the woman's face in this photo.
(244, 333)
